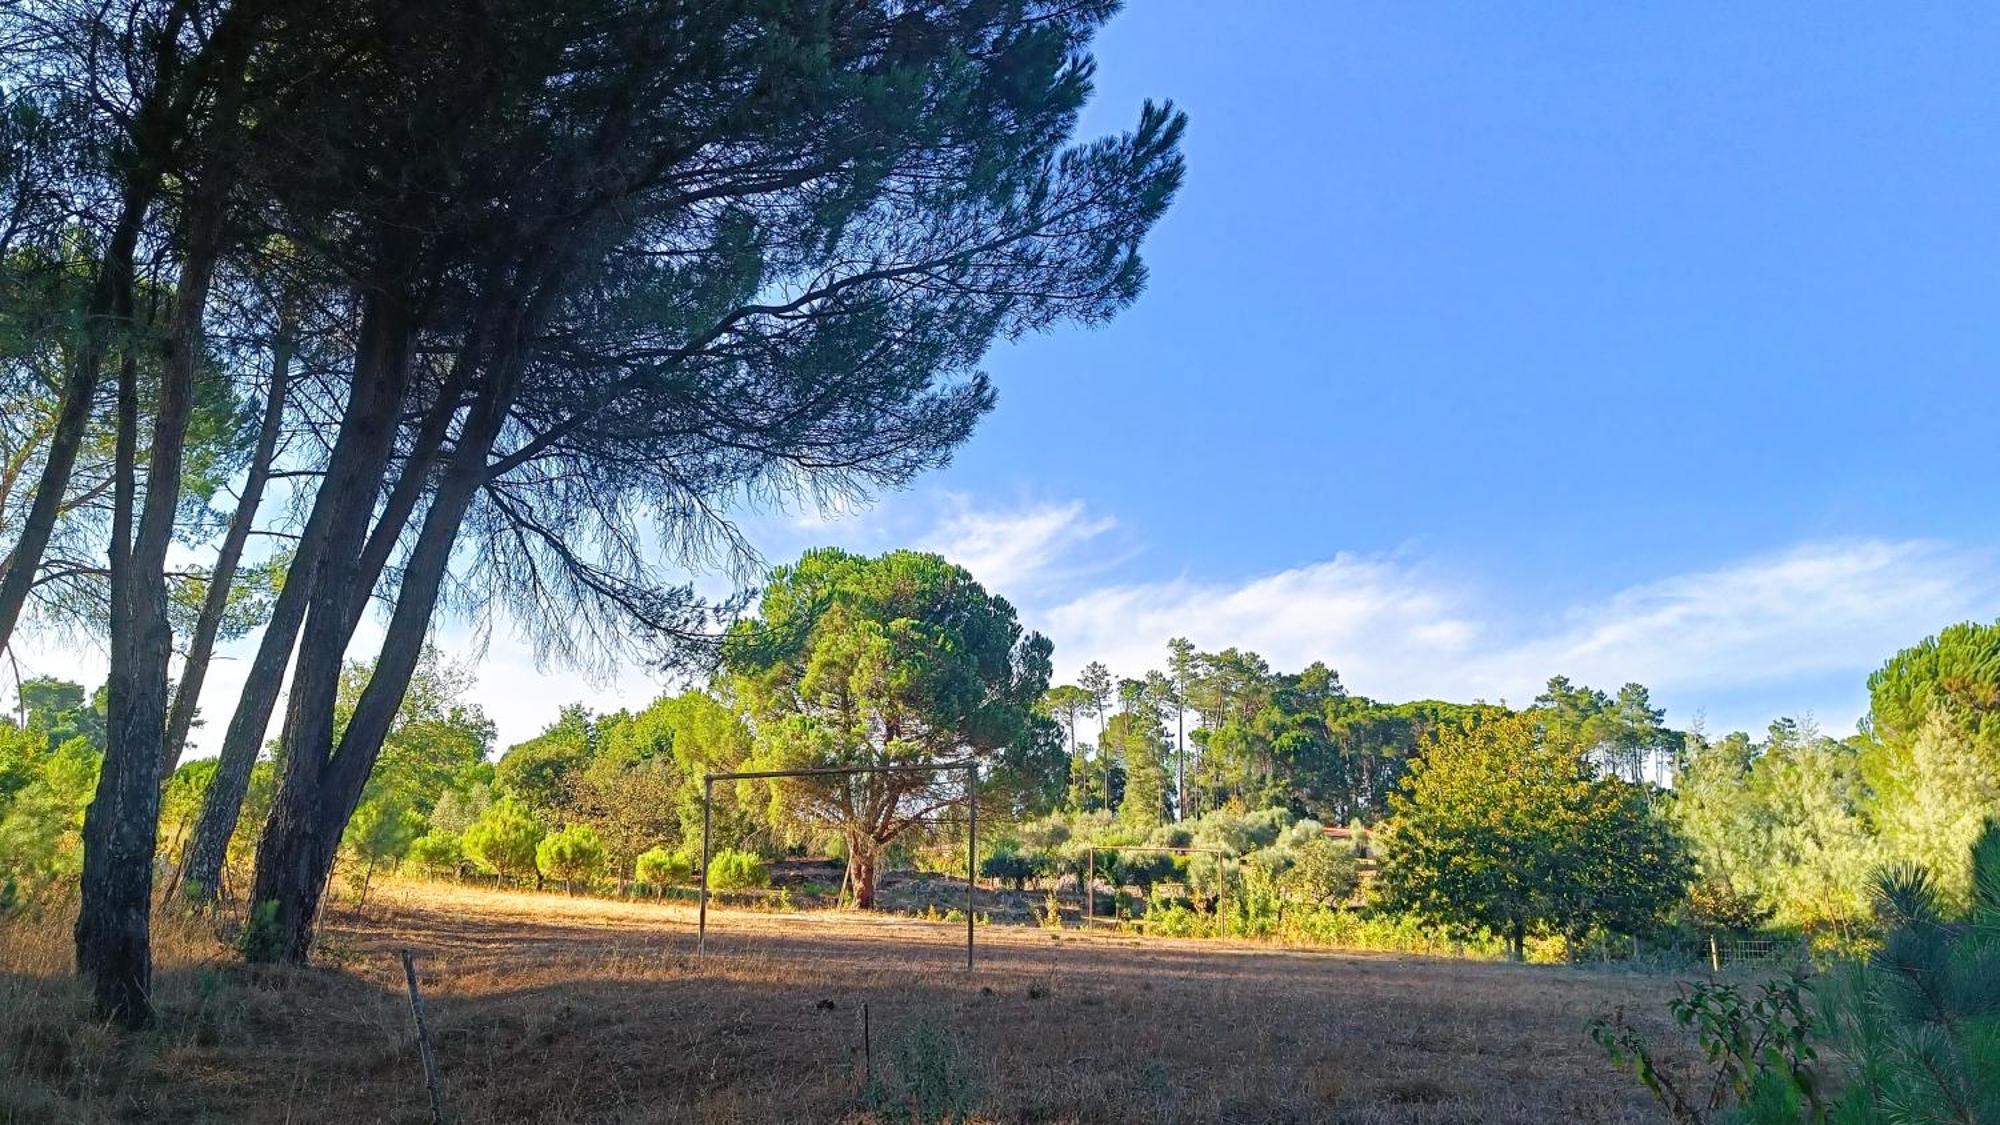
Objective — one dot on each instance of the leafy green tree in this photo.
(893, 660)
(1136, 739)
(631, 790)
(439, 739)
(1715, 807)
(734, 870)
(1066, 704)
(456, 808)
(1323, 872)
(1956, 672)
(662, 868)
(1029, 776)
(41, 824)
(1930, 753)
(570, 854)
(1180, 680)
(1231, 689)
(1625, 732)
(61, 710)
(1008, 863)
(1098, 689)
(1933, 794)
(504, 839)
(21, 754)
(541, 772)
(380, 832)
(1510, 828)
(1815, 853)
(437, 852)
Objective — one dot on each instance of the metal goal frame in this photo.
(971, 769)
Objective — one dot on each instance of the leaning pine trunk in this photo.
(187, 693)
(319, 791)
(109, 307)
(360, 454)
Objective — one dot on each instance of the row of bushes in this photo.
(506, 841)
(1268, 847)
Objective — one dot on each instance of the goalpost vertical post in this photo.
(971, 851)
(707, 804)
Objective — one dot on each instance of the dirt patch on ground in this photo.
(546, 1008)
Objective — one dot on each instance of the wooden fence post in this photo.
(424, 1039)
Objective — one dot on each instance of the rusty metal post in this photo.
(971, 852)
(701, 926)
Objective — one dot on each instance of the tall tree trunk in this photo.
(121, 826)
(319, 791)
(1180, 762)
(110, 293)
(161, 119)
(862, 863)
(355, 466)
(322, 785)
(187, 693)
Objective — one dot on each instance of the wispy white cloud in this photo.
(1814, 609)
(1026, 551)
(1374, 618)
(1768, 629)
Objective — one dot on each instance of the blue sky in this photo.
(1642, 341)
(1488, 342)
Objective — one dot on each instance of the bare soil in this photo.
(546, 1008)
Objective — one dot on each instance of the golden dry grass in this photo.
(551, 1009)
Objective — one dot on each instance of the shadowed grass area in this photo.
(553, 1009)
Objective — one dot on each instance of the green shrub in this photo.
(571, 854)
(379, 832)
(663, 868)
(1006, 863)
(1760, 1045)
(437, 852)
(1143, 869)
(1323, 872)
(733, 870)
(504, 838)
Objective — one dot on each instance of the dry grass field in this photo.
(551, 1009)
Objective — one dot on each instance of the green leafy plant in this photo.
(504, 838)
(1009, 864)
(1759, 1047)
(663, 868)
(733, 870)
(574, 853)
(437, 852)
